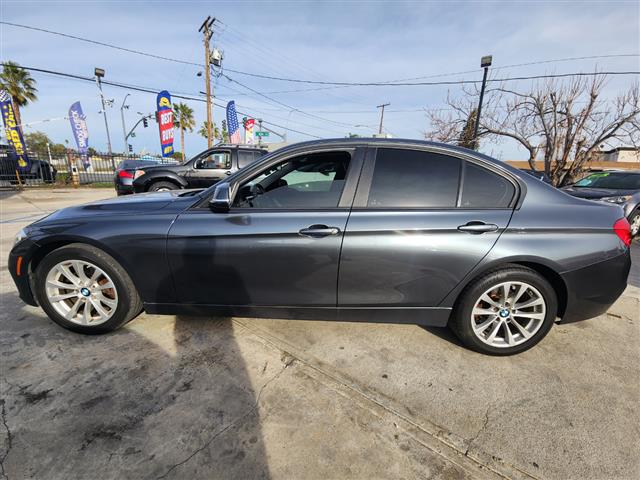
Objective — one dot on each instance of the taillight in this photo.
(125, 174)
(623, 230)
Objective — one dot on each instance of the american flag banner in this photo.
(232, 123)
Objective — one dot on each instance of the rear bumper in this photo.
(592, 290)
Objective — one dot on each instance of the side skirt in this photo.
(433, 317)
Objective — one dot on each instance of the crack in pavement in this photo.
(288, 360)
(484, 426)
(9, 438)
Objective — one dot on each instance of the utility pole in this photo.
(124, 128)
(485, 62)
(382, 115)
(207, 31)
(99, 73)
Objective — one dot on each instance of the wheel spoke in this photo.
(68, 274)
(533, 315)
(482, 311)
(58, 284)
(74, 310)
(483, 326)
(101, 311)
(523, 331)
(494, 332)
(79, 268)
(107, 301)
(489, 300)
(509, 335)
(87, 313)
(523, 288)
(105, 286)
(59, 298)
(529, 303)
(505, 292)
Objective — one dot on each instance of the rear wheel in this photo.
(634, 222)
(85, 290)
(506, 311)
(162, 186)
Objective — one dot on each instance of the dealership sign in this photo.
(80, 132)
(248, 130)
(13, 132)
(164, 116)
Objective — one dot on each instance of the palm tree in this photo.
(183, 119)
(19, 85)
(203, 130)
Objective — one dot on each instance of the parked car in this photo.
(39, 170)
(373, 230)
(202, 171)
(619, 187)
(123, 176)
(539, 175)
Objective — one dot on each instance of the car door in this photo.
(279, 244)
(209, 169)
(421, 221)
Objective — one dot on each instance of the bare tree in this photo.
(561, 124)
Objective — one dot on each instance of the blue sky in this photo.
(337, 41)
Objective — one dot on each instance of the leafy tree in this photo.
(353, 135)
(19, 85)
(183, 119)
(37, 141)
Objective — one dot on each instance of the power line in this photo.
(401, 82)
(153, 91)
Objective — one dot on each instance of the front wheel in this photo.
(83, 289)
(506, 311)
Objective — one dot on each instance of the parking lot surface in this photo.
(180, 397)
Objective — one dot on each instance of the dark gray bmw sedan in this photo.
(355, 230)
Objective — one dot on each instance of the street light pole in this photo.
(382, 115)
(99, 73)
(485, 62)
(124, 128)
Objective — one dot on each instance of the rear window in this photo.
(611, 180)
(484, 189)
(414, 179)
(130, 164)
(247, 157)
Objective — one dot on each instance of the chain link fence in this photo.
(67, 168)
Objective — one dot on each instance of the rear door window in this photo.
(484, 189)
(414, 179)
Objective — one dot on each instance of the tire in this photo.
(161, 186)
(534, 321)
(117, 305)
(634, 222)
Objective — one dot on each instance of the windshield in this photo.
(611, 180)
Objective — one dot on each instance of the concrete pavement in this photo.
(176, 397)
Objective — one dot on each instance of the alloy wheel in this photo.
(635, 224)
(508, 314)
(81, 292)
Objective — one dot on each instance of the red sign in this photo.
(164, 116)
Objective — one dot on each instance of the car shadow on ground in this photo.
(164, 397)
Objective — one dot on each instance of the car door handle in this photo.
(478, 227)
(318, 231)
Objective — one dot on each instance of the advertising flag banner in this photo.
(248, 130)
(14, 134)
(79, 128)
(232, 123)
(164, 115)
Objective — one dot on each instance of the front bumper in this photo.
(592, 290)
(23, 279)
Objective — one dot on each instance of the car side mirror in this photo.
(221, 200)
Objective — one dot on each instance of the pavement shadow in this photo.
(164, 397)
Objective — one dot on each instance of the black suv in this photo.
(202, 171)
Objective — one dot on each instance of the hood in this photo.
(594, 193)
(169, 202)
